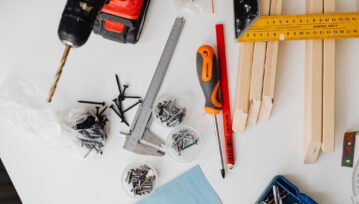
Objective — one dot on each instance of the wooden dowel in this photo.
(328, 143)
(259, 56)
(313, 91)
(270, 69)
(242, 88)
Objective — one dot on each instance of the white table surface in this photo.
(29, 47)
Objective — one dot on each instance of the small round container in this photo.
(184, 144)
(130, 172)
(169, 111)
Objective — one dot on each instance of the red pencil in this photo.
(226, 108)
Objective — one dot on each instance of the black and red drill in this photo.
(118, 20)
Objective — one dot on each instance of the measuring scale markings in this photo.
(303, 27)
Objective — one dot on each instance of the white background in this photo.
(29, 47)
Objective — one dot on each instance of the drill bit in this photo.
(59, 72)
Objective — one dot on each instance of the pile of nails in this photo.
(141, 180)
(91, 129)
(118, 106)
(183, 139)
(169, 113)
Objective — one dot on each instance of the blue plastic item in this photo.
(290, 193)
(190, 187)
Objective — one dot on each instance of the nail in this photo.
(129, 108)
(88, 153)
(174, 108)
(124, 89)
(118, 84)
(119, 115)
(103, 111)
(125, 121)
(177, 114)
(172, 123)
(93, 102)
(116, 101)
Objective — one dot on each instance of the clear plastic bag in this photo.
(195, 6)
(88, 129)
(23, 105)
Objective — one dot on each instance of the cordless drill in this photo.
(118, 20)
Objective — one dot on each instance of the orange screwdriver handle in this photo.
(208, 75)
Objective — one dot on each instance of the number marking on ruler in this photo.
(303, 27)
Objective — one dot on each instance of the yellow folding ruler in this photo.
(303, 27)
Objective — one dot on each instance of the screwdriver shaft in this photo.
(215, 122)
(59, 72)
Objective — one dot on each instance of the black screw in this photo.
(124, 89)
(120, 108)
(125, 121)
(93, 102)
(119, 115)
(103, 111)
(118, 84)
(129, 108)
(117, 103)
(132, 97)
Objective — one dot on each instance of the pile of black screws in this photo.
(92, 128)
(168, 113)
(184, 139)
(141, 180)
(118, 106)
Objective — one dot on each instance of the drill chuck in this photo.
(77, 21)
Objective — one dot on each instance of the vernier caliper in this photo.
(141, 140)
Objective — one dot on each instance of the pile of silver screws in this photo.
(169, 113)
(141, 180)
(184, 139)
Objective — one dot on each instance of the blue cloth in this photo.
(191, 187)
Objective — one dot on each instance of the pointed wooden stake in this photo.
(241, 106)
(313, 92)
(259, 56)
(270, 69)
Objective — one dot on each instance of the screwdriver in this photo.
(75, 27)
(208, 75)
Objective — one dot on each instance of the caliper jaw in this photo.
(150, 144)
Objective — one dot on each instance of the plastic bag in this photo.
(88, 129)
(195, 6)
(23, 105)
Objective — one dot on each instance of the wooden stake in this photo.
(328, 144)
(243, 83)
(270, 69)
(256, 87)
(313, 91)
